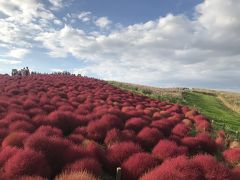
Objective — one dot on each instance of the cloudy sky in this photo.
(165, 43)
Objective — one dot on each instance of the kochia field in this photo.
(66, 127)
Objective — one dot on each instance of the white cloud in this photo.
(85, 16)
(173, 49)
(18, 53)
(9, 62)
(56, 4)
(103, 22)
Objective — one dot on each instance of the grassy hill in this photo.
(208, 103)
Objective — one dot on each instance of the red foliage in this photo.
(21, 126)
(180, 130)
(232, 156)
(136, 124)
(176, 168)
(149, 137)
(137, 164)
(15, 139)
(119, 152)
(212, 169)
(89, 164)
(49, 131)
(57, 151)
(7, 153)
(67, 118)
(201, 143)
(27, 162)
(236, 173)
(63, 120)
(167, 149)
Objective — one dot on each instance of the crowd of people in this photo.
(22, 72)
(26, 72)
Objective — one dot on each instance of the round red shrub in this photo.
(180, 130)
(137, 164)
(21, 126)
(119, 152)
(7, 153)
(63, 120)
(27, 162)
(149, 137)
(212, 169)
(176, 168)
(75, 138)
(167, 149)
(232, 156)
(113, 136)
(49, 131)
(15, 139)
(57, 151)
(236, 173)
(136, 124)
(86, 164)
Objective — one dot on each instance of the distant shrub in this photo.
(137, 164)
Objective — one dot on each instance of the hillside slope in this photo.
(207, 103)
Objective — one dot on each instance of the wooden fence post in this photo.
(118, 176)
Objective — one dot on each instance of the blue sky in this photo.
(165, 43)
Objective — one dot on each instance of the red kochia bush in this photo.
(149, 137)
(49, 131)
(21, 126)
(86, 164)
(27, 162)
(167, 149)
(113, 136)
(176, 168)
(180, 130)
(135, 124)
(119, 152)
(15, 139)
(57, 151)
(232, 156)
(65, 121)
(236, 173)
(212, 169)
(201, 143)
(95, 150)
(7, 153)
(97, 129)
(137, 164)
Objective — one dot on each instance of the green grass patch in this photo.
(214, 109)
